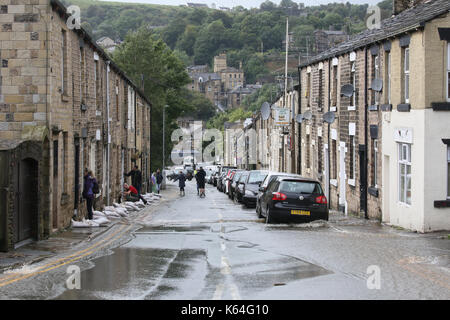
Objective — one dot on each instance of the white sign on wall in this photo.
(404, 135)
(281, 116)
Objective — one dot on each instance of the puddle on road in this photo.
(163, 262)
(132, 273)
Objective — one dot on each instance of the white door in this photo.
(342, 176)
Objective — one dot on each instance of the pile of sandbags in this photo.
(116, 211)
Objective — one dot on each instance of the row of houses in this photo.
(64, 106)
(370, 119)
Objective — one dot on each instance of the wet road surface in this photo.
(212, 248)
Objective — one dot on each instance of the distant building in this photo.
(224, 87)
(197, 5)
(108, 44)
(325, 39)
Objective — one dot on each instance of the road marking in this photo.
(234, 292)
(219, 291)
(223, 246)
(77, 255)
(225, 266)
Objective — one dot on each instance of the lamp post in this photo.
(164, 137)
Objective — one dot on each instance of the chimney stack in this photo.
(401, 5)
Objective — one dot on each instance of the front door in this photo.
(362, 178)
(26, 200)
(342, 177)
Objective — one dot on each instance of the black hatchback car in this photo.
(249, 187)
(289, 199)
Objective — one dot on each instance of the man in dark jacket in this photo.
(201, 179)
(88, 192)
(159, 179)
(136, 178)
(181, 182)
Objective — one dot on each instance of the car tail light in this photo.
(321, 199)
(278, 196)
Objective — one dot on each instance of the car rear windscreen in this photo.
(256, 177)
(300, 187)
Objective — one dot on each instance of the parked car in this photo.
(289, 199)
(220, 181)
(271, 175)
(227, 180)
(215, 177)
(239, 191)
(251, 186)
(233, 183)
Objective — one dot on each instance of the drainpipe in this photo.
(365, 135)
(299, 160)
(108, 132)
(328, 149)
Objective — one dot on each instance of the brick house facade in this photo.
(65, 106)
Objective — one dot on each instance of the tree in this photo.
(165, 78)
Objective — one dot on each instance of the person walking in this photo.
(159, 180)
(90, 188)
(154, 186)
(181, 182)
(136, 178)
(201, 179)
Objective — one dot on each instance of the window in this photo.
(404, 173)
(376, 75)
(308, 90)
(353, 82)
(320, 89)
(117, 101)
(374, 162)
(64, 85)
(448, 72)
(352, 157)
(406, 75)
(335, 85)
(388, 77)
(448, 172)
(82, 75)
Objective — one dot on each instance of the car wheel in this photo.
(269, 218)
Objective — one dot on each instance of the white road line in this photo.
(225, 266)
(219, 291)
(234, 291)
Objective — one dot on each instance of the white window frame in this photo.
(404, 160)
(377, 76)
(352, 155)
(448, 172)
(375, 162)
(406, 74)
(353, 79)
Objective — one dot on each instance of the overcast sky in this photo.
(245, 3)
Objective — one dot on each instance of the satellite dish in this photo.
(307, 115)
(377, 85)
(265, 111)
(299, 118)
(347, 90)
(329, 117)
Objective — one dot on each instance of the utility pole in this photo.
(164, 137)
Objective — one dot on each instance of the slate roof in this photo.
(405, 21)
